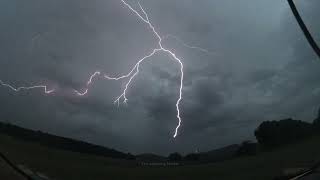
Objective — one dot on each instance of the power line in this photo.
(304, 28)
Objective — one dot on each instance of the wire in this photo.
(304, 28)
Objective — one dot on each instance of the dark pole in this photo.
(304, 28)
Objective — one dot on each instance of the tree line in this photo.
(269, 135)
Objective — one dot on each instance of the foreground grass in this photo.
(65, 165)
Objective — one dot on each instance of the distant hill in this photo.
(69, 144)
(148, 157)
(66, 165)
(58, 142)
(220, 154)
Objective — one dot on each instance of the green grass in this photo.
(66, 165)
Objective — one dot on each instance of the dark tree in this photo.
(175, 157)
(275, 133)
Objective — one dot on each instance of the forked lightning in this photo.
(134, 71)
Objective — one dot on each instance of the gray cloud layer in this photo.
(260, 68)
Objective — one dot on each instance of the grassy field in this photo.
(66, 165)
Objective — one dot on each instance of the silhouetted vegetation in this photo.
(276, 133)
(269, 134)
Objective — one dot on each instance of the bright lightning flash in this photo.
(134, 71)
(89, 82)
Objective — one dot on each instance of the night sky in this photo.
(260, 67)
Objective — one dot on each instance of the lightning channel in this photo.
(17, 89)
(135, 70)
(89, 82)
(129, 77)
(168, 36)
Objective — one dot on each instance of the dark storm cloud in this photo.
(259, 68)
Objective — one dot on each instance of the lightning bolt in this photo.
(135, 69)
(187, 45)
(17, 89)
(89, 82)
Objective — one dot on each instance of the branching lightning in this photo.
(89, 82)
(17, 89)
(185, 44)
(134, 71)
